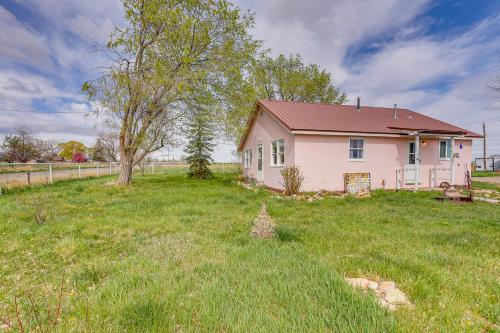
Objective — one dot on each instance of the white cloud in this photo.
(20, 43)
(467, 104)
(89, 19)
(323, 31)
(19, 89)
(443, 76)
(96, 29)
(52, 126)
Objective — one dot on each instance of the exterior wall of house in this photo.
(324, 160)
(264, 130)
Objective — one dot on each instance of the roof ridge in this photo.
(330, 104)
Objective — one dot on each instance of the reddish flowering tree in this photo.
(79, 157)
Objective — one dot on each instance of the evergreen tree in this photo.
(98, 151)
(200, 146)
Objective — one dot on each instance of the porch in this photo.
(430, 160)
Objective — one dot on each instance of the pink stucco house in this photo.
(340, 146)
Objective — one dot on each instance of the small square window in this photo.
(445, 149)
(278, 153)
(356, 149)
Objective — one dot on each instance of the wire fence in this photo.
(14, 175)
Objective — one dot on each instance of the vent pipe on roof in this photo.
(395, 111)
(359, 104)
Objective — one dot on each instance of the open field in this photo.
(7, 168)
(174, 254)
(15, 176)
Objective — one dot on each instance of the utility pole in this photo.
(484, 147)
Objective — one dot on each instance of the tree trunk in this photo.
(125, 172)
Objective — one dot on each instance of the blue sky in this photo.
(435, 57)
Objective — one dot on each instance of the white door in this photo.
(260, 164)
(410, 169)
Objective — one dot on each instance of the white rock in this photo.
(373, 285)
(386, 285)
(387, 293)
(385, 304)
(395, 296)
(359, 282)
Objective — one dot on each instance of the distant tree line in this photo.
(23, 146)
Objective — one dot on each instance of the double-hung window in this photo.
(247, 162)
(356, 149)
(445, 149)
(278, 153)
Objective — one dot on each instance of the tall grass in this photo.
(174, 254)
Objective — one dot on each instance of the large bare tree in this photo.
(168, 49)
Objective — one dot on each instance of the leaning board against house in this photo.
(398, 148)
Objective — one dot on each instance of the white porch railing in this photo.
(406, 177)
(439, 175)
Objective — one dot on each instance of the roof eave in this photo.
(251, 119)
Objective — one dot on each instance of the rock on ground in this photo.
(387, 293)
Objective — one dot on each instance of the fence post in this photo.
(110, 172)
(116, 164)
(28, 177)
(79, 172)
(97, 170)
(50, 173)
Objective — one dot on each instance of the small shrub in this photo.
(292, 177)
(36, 206)
(79, 188)
(29, 314)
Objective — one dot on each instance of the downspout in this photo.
(452, 162)
(417, 161)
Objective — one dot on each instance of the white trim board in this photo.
(362, 134)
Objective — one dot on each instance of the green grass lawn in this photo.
(486, 174)
(173, 254)
(486, 186)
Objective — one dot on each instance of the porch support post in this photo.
(452, 162)
(417, 161)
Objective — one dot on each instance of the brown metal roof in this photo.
(299, 116)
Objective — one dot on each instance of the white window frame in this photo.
(409, 153)
(247, 160)
(362, 149)
(280, 151)
(448, 151)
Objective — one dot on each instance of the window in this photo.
(356, 149)
(247, 162)
(445, 149)
(278, 153)
(411, 153)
